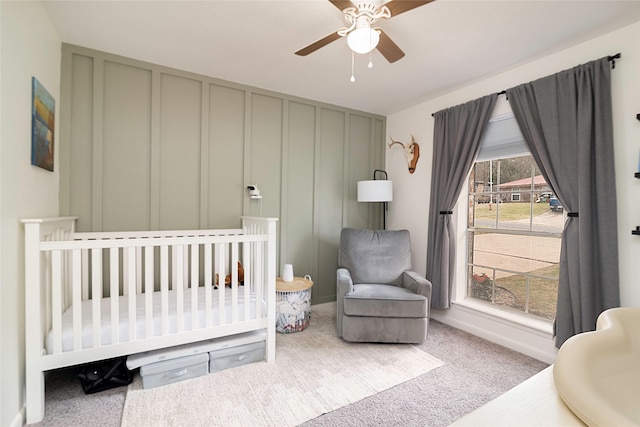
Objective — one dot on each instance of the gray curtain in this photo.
(456, 141)
(567, 122)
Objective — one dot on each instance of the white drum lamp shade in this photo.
(375, 191)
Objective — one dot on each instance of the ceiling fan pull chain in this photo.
(353, 73)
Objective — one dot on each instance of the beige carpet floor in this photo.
(315, 372)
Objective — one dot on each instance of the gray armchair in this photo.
(378, 298)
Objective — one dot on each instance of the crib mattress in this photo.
(157, 322)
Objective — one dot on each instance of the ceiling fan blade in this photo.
(400, 6)
(343, 4)
(388, 48)
(317, 45)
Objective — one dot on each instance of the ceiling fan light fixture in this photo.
(363, 40)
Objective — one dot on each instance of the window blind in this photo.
(502, 139)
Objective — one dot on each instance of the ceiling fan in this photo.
(360, 36)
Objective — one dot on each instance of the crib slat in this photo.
(164, 287)
(76, 285)
(66, 277)
(179, 286)
(132, 272)
(208, 284)
(248, 278)
(139, 266)
(185, 263)
(220, 251)
(85, 274)
(96, 294)
(195, 283)
(148, 289)
(259, 274)
(234, 282)
(174, 276)
(125, 273)
(56, 300)
(114, 292)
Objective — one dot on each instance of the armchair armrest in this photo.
(344, 285)
(418, 285)
(344, 281)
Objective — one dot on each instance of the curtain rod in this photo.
(611, 58)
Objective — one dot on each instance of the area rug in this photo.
(315, 372)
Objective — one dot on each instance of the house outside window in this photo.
(520, 189)
(514, 237)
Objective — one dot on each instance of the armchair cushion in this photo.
(384, 301)
(375, 256)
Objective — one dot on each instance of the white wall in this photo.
(30, 47)
(410, 211)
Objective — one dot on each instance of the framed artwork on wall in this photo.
(43, 113)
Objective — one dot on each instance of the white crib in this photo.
(94, 296)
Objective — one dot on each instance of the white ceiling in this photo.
(448, 43)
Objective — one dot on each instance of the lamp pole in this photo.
(385, 204)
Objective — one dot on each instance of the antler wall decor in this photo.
(412, 151)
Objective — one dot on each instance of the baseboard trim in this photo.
(519, 338)
(19, 419)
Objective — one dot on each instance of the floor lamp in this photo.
(377, 190)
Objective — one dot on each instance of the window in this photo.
(514, 237)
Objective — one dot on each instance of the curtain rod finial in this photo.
(613, 58)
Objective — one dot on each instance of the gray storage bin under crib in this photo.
(137, 360)
(231, 357)
(173, 364)
(174, 370)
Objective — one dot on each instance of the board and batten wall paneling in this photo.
(146, 146)
(126, 148)
(266, 153)
(329, 201)
(360, 154)
(225, 172)
(298, 194)
(80, 138)
(180, 123)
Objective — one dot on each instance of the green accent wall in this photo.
(146, 147)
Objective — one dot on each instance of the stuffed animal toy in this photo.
(227, 278)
